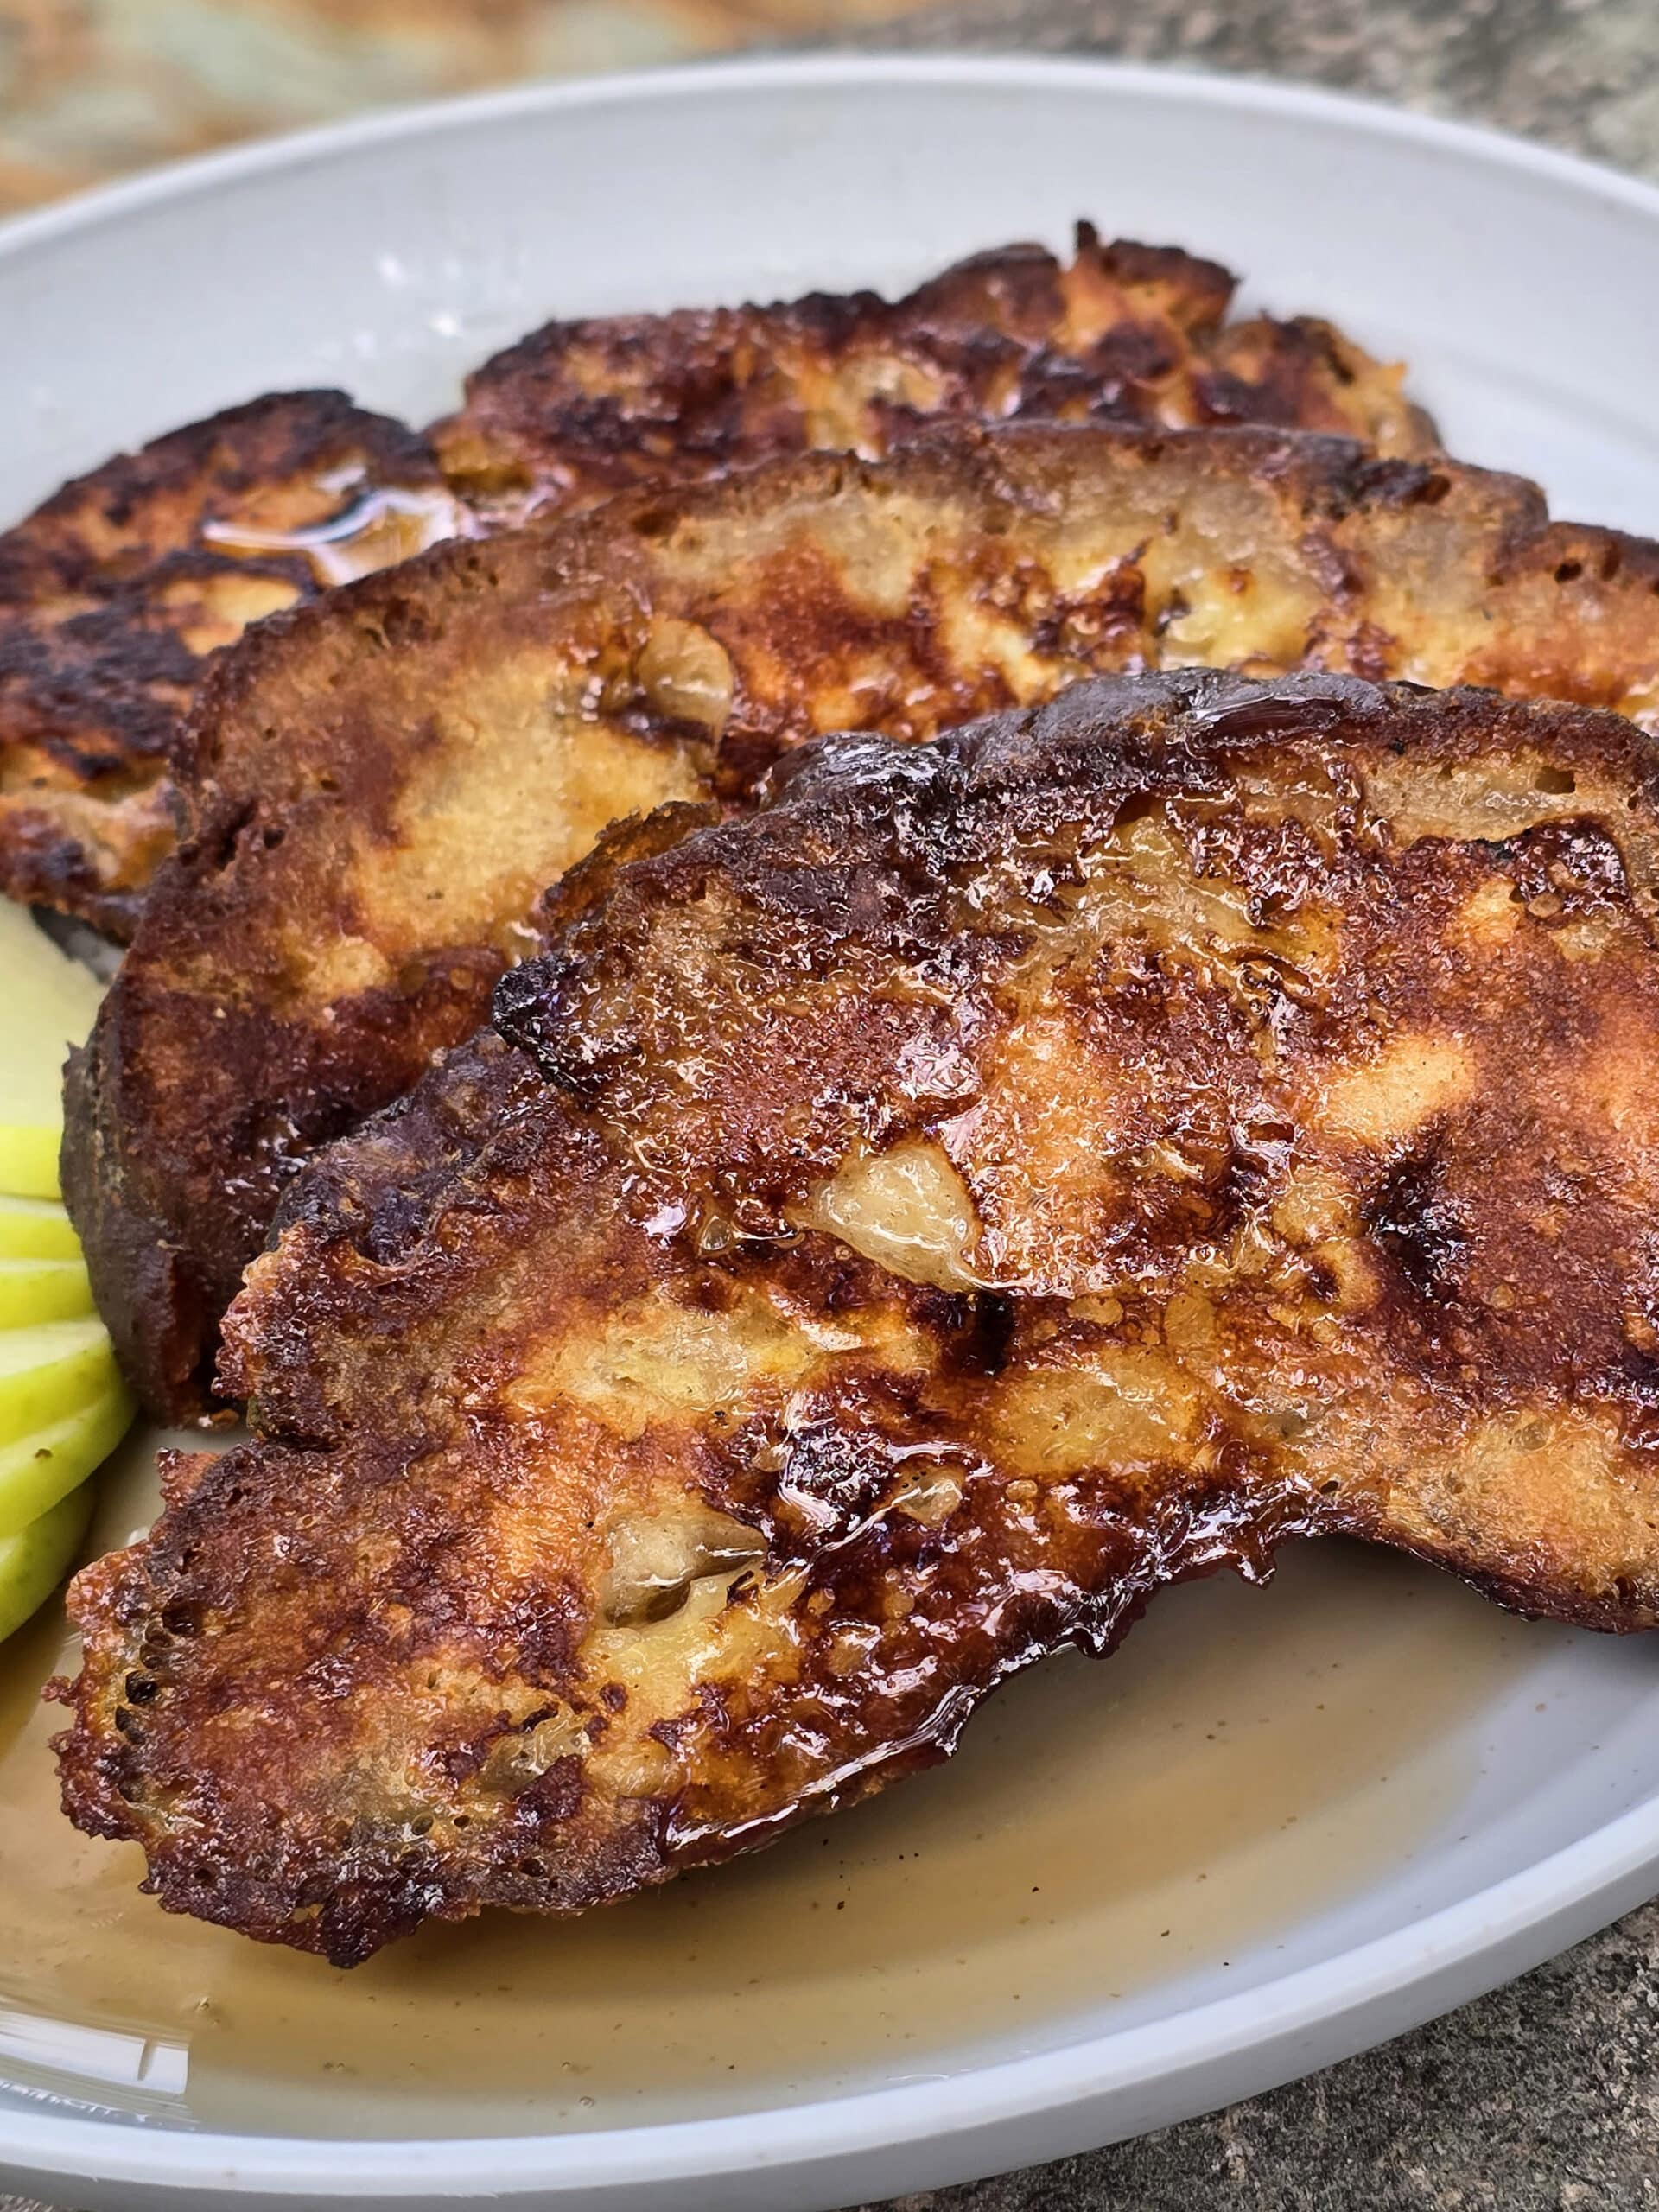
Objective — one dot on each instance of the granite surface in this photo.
(1581, 74)
(1543, 2097)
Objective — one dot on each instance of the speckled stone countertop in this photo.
(1580, 73)
(1543, 2097)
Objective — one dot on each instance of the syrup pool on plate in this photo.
(1247, 1757)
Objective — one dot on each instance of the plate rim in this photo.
(1437, 1962)
(91, 204)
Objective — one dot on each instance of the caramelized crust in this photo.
(1121, 334)
(113, 593)
(381, 785)
(887, 1238)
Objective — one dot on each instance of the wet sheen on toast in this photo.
(116, 593)
(380, 787)
(887, 1237)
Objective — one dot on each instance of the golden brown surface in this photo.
(1121, 332)
(114, 592)
(886, 1239)
(381, 785)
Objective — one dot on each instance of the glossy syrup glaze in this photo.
(374, 527)
(675, 648)
(118, 591)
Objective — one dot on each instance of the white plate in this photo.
(1514, 1817)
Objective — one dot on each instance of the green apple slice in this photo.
(29, 1158)
(47, 1004)
(45, 1466)
(49, 1371)
(35, 1560)
(42, 1290)
(37, 1229)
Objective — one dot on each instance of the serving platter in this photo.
(1280, 1824)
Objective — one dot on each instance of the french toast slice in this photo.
(380, 787)
(1124, 332)
(887, 1237)
(114, 593)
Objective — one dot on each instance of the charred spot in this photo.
(1395, 483)
(975, 1328)
(831, 1476)
(216, 843)
(1173, 610)
(1250, 1172)
(990, 1335)
(544, 1630)
(1564, 869)
(1100, 626)
(1135, 353)
(1372, 652)
(1413, 1219)
(403, 621)
(845, 1289)
(1270, 714)
(1636, 1381)
(551, 1798)
(1223, 396)
(527, 1009)
(459, 1762)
